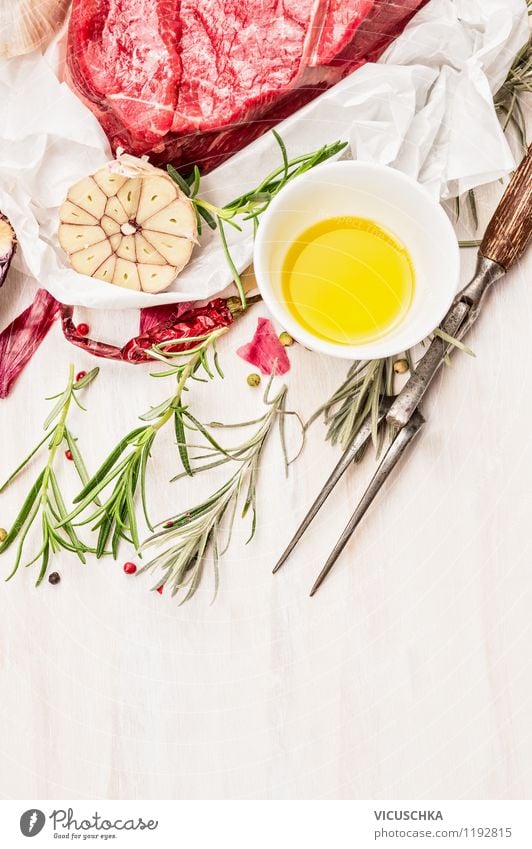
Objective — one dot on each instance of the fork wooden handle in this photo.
(510, 228)
(506, 239)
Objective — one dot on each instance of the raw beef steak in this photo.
(238, 56)
(124, 60)
(339, 22)
(193, 81)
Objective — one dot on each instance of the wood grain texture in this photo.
(510, 229)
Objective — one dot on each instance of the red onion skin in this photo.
(21, 338)
(265, 350)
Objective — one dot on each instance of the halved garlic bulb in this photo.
(26, 24)
(8, 246)
(134, 231)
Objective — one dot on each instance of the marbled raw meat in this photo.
(124, 61)
(340, 20)
(194, 81)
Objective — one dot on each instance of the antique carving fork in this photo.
(505, 241)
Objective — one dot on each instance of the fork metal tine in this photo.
(386, 466)
(359, 441)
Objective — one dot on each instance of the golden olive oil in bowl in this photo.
(347, 280)
(356, 260)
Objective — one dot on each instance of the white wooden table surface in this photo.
(407, 676)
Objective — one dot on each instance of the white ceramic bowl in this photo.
(389, 198)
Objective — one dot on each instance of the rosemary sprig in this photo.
(358, 395)
(191, 535)
(250, 205)
(45, 500)
(361, 393)
(125, 467)
(455, 343)
(509, 98)
(470, 243)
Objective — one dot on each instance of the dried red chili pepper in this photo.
(198, 321)
(150, 317)
(70, 332)
(173, 321)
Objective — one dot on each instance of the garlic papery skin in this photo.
(28, 24)
(136, 231)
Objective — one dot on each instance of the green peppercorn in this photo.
(3, 534)
(54, 578)
(400, 366)
(234, 305)
(253, 379)
(285, 339)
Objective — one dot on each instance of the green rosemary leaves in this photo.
(204, 531)
(509, 99)
(45, 504)
(125, 466)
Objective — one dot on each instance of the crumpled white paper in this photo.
(426, 107)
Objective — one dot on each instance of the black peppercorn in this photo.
(54, 578)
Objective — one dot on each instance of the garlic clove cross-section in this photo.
(175, 249)
(157, 193)
(75, 237)
(132, 228)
